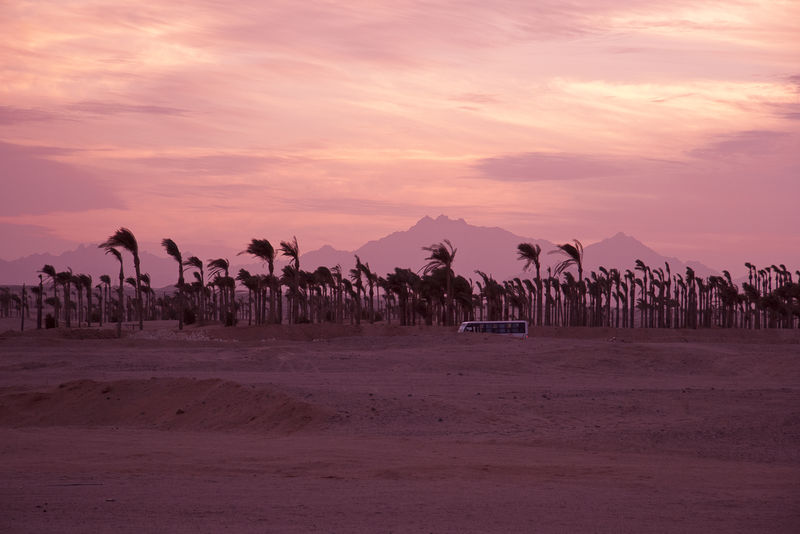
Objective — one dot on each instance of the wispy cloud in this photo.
(214, 164)
(114, 108)
(537, 167)
(15, 115)
(753, 143)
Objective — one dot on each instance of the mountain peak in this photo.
(428, 221)
(425, 221)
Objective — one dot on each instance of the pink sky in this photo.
(212, 123)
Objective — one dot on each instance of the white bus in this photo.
(508, 328)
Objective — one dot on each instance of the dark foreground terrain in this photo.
(389, 429)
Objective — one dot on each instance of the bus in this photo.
(508, 328)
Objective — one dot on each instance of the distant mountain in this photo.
(622, 251)
(490, 249)
(90, 260)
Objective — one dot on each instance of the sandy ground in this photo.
(390, 429)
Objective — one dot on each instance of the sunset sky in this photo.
(214, 122)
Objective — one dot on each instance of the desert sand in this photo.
(399, 429)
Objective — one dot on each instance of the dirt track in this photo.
(383, 429)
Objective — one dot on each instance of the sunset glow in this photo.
(214, 123)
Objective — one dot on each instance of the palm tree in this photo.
(355, 277)
(114, 252)
(530, 253)
(371, 278)
(441, 257)
(324, 278)
(106, 282)
(691, 299)
(124, 238)
(197, 263)
(172, 250)
(64, 278)
(492, 292)
(85, 281)
(50, 271)
(144, 279)
(291, 250)
(252, 284)
(336, 272)
(226, 285)
(574, 254)
(263, 249)
(640, 266)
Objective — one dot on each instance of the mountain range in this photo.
(492, 250)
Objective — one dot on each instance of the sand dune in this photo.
(160, 403)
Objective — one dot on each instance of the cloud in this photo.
(189, 193)
(96, 107)
(15, 115)
(350, 206)
(215, 164)
(476, 98)
(753, 143)
(35, 184)
(539, 166)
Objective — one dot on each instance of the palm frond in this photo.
(217, 266)
(172, 249)
(530, 253)
(49, 270)
(122, 238)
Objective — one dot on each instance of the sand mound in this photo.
(162, 403)
(88, 333)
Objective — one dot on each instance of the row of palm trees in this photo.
(645, 296)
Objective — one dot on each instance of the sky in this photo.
(215, 122)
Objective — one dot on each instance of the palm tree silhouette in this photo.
(336, 273)
(324, 278)
(85, 281)
(574, 254)
(371, 279)
(124, 238)
(197, 263)
(291, 250)
(172, 250)
(251, 283)
(120, 296)
(530, 253)
(441, 257)
(104, 286)
(263, 249)
(226, 285)
(358, 284)
(50, 271)
(144, 281)
(64, 278)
